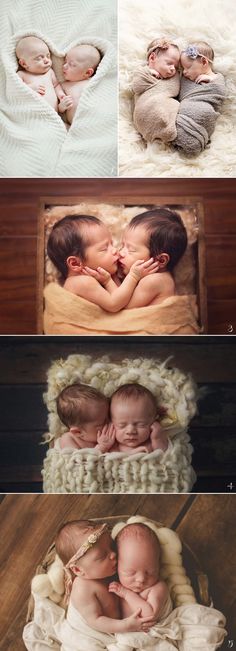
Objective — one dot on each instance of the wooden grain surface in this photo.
(28, 524)
(19, 208)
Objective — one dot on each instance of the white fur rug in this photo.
(213, 21)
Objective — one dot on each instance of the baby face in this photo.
(138, 565)
(192, 68)
(135, 246)
(132, 419)
(100, 251)
(165, 61)
(100, 561)
(99, 414)
(36, 57)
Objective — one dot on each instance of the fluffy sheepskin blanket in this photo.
(34, 138)
(183, 21)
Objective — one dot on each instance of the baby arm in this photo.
(91, 610)
(159, 440)
(92, 291)
(133, 599)
(57, 86)
(147, 290)
(39, 88)
(205, 78)
(150, 601)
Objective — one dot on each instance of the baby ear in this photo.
(204, 61)
(89, 72)
(74, 264)
(163, 260)
(22, 63)
(76, 430)
(152, 57)
(77, 571)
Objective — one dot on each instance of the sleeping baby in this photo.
(133, 427)
(35, 60)
(202, 92)
(80, 65)
(155, 86)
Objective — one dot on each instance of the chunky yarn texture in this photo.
(88, 471)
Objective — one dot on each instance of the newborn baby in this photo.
(201, 94)
(80, 64)
(155, 85)
(85, 411)
(35, 59)
(139, 583)
(134, 414)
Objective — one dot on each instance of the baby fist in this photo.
(117, 588)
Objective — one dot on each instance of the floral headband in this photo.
(192, 52)
(87, 544)
(158, 44)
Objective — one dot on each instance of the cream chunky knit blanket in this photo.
(34, 141)
(155, 107)
(87, 471)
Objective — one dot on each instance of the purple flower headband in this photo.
(192, 52)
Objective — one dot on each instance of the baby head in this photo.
(79, 240)
(158, 233)
(81, 62)
(33, 55)
(163, 57)
(196, 60)
(138, 557)
(83, 410)
(86, 550)
(133, 410)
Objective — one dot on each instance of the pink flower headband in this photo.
(87, 544)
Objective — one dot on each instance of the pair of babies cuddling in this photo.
(82, 250)
(134, 603)
(132, 411)
(35, 63)
(164, 59)
(189, 121)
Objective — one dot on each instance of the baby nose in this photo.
(113, 555)
(139, 577)
(131, 428)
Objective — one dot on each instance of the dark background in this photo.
(24, 362)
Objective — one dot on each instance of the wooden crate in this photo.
(194, 205)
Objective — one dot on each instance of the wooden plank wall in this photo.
(19, 205)
(24, 364)
(28, 523)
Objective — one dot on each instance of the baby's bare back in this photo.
(74, 89)
(41, 82)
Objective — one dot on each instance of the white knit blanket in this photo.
(188, 628)
(34, 139)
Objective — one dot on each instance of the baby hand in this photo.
(40, 89)
(106, 438)
(205, 78)
(140, 269)
(155, 73)
(65, 103)
(136, 623)
(99, 274)
(117, 588)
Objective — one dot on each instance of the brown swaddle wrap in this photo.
(198, 112)
(155, 107)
